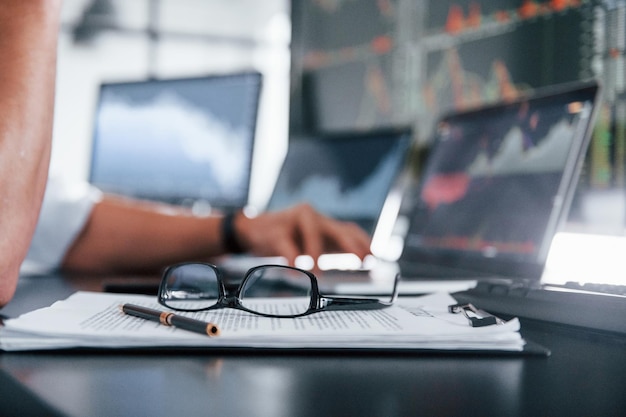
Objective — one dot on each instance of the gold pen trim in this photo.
(165, 318)
(212, 330)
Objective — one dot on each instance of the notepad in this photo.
(94, 320)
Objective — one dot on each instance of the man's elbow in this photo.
(8, 283)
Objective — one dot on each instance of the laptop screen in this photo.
(177, 140)
(345, 176)
(498, 182)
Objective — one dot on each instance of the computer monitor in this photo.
(346, 176)
(498, 183)
(178, 141)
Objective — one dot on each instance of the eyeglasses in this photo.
(263, 291)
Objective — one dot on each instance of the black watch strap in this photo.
(229, 236)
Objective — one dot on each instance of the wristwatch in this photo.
(229, 235)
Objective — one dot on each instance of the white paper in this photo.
(91, 319)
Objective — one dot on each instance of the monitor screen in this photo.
(499, 180)
(177, 140)
(345, 176)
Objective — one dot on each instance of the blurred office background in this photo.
(131, 40)
(332, 65)
(407, 62)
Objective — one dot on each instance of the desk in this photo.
(584, 376)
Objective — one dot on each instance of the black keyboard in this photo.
(571, 306)
(614, 289)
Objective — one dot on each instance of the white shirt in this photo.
(65, 210)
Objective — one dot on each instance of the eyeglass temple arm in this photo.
(361, 303)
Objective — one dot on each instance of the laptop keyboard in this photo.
(613, 289)
(416, 271)
(597, 310)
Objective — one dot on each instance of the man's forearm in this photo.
(28, 40)
(124, 235)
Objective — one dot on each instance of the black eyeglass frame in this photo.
(317, 304)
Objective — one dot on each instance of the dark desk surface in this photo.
(584, 376)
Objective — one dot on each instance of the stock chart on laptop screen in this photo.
(499, 179)
(347, 176)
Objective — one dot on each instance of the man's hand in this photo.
(299, 230)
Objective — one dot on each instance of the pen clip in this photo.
(475, 316)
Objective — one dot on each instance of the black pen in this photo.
(170, 319)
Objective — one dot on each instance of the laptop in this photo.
(349, 176)
(346, 176)
(496, 186)
(182, 141)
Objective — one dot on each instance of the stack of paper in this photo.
(94, 320)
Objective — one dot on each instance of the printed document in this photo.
(94, 320)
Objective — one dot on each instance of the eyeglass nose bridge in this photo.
(230, 300)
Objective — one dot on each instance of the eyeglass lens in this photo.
(191, 286)
(263, 287)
